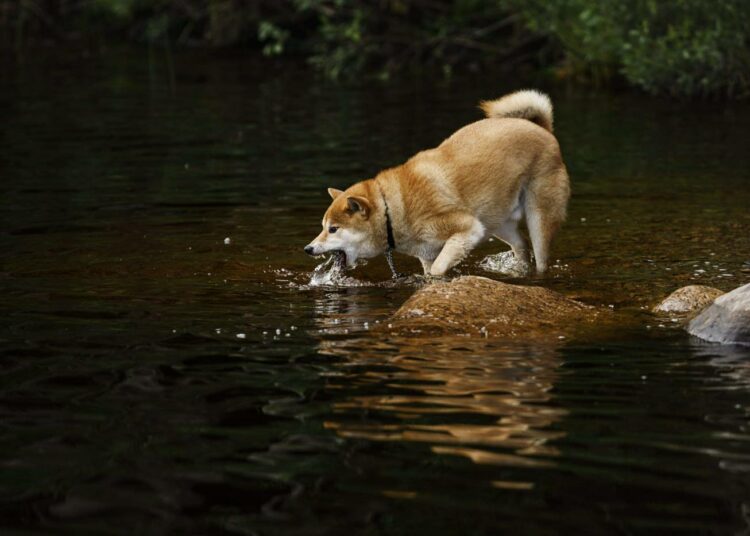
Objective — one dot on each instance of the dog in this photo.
(481, 181)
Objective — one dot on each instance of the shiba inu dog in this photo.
(481, 181)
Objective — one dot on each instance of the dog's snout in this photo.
(309, 250)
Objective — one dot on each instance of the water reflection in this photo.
(129, 401)
(488, 401)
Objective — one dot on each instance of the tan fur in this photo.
(526, 104)
(479, 182)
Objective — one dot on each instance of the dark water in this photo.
(155, 379)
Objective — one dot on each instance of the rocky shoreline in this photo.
(476, 306)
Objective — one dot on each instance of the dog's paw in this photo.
(429, 278)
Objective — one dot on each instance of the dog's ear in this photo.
(334, 193)
(359, 204)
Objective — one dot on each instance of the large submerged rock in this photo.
(688, 300)
(477, 306)
(727, 320)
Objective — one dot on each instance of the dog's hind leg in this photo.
(508, 232)
(546, 203)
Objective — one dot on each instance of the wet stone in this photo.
(481, 307)
(726, 320)
(689, 300)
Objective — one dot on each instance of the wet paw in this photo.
(429, 278)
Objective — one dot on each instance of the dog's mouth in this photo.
(336, 258)
(339, 259)
(331, 271)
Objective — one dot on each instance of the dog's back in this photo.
(500, 169)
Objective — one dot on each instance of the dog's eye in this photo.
(332, 229)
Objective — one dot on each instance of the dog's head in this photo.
(348, 226)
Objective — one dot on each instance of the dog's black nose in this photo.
(309, 250)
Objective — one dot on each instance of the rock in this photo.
(477, 306)
(727, 320)
(688, 300)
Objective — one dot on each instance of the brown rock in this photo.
(477, 306)
(688, 300)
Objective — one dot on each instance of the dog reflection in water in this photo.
(417, 390)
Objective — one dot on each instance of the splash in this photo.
(505, 263)
(331, 272)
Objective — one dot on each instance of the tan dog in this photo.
(481, 181)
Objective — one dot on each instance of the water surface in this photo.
(158, 379)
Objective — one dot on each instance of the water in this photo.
(156, 378)
(506, 263)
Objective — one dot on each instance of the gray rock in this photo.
(688, 300)
(727, 320)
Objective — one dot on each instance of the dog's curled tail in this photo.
(528, 104)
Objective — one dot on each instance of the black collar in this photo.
(389, 235)
(389, 227)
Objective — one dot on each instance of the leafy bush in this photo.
(679, 47)
(675, 47)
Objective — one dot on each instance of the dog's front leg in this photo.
(426, 265)
(458, 246)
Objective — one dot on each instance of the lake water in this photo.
(155, 378)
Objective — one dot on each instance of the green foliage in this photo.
(675, 47)
(679, 47)
(352, 36)
(340, 46)
(690, 48)
(272, 37)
